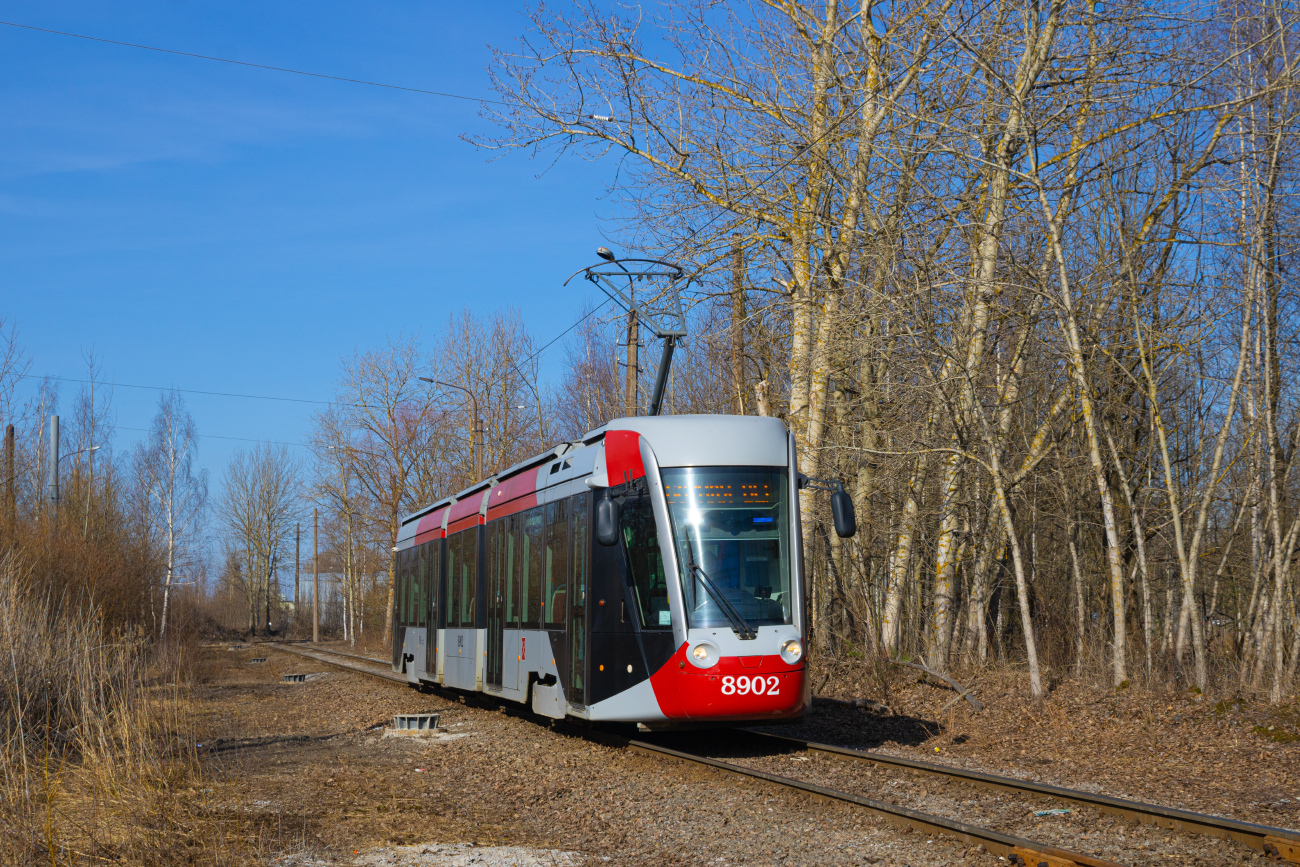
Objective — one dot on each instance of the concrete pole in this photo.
(11, 491)
(478, 439)
(633, 363)
(297, 565)
(315, 577)
(52, 479)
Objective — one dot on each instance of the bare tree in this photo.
(259, 505)
(178, 492)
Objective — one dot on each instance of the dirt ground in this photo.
(308, 766)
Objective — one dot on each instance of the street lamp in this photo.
(476, 441)
(52, 475)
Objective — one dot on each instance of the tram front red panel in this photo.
(738, 687)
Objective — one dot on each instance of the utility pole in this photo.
(478, 444)
(297, 565)
(738, 323)
(11, 494)
(349, 627)
(633, 363)
(52, 481)
(315, 576)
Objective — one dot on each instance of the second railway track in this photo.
(1276, 842)
(1280, 844)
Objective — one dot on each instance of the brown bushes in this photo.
(95, 734)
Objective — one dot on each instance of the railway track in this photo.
(1276, 842)
(1280, 844)
(381, 667)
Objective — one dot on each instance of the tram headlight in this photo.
(792, 651)
(704, 655)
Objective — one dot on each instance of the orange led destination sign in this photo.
(719, 494)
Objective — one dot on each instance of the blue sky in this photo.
(218, 228)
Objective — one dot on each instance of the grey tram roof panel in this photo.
(711, 440)
(495, 478)
(677, 440)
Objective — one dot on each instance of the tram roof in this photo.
(679, 440)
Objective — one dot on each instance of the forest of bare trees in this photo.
(1018, 273)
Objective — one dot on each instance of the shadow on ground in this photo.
(827, 721)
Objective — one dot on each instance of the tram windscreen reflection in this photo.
(734, 524)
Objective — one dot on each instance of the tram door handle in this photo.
(622, 609)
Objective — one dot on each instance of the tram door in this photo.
(496, 571)
(576, 689)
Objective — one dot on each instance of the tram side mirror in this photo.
(846, 523)
(606, 520)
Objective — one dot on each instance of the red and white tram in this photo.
(650, 573)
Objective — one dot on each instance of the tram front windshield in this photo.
(733, 524)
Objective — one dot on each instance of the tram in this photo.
(650, 573)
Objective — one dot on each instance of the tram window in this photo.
(433, 565)
(418, 576)
(519, 534)
(453, 585)
(734, 524)
(400, 597)
(413, 591)
(510, 526)
(532, 561)
(492, 567)
(641, 539)
(422, 586)
(429, 561)
(578, 514)
(408, 616)
(468, 575)
(555, 599)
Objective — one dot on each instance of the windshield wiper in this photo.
(738, 623)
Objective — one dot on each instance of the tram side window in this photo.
(429, 559)
(399, 598)
(510, 534)
(422, 586)
(453, 585)
(468, 575)
(492, 561)
(433, 563)
(641, 539)
(413, 590)
(533, 561)
(555, 598)
(578, 513)
(412, 571)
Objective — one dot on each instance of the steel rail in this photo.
(351, 655)
(313, 648)
(386, 675)
(1029, 852)
(1275, 842)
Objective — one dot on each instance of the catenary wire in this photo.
(590, 313)
(183, 390)
(218, 437)
(441, 93)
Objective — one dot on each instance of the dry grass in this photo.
(97, 759)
